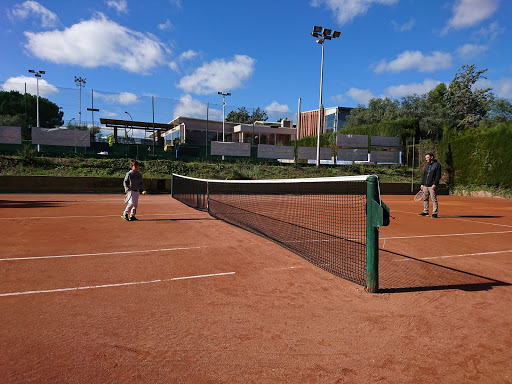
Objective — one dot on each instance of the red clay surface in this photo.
(86, 297)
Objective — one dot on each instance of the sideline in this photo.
(100, 254)
(96, 216)
(114, 285)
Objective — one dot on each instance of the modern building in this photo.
(334, 118)
(194, 131)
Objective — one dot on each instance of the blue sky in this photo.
(184, 51)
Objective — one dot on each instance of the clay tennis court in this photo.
(180, 297)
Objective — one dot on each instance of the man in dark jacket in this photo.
(431, 177)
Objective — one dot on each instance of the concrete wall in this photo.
(56, 184)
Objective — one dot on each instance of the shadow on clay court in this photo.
(29, 204)
(190, 219)
(402, 273)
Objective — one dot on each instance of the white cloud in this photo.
(277, 111)
(491, 32)
(276, 107)
(346, 10)
(27, 8)
(415, 60)
(403, 27)
(108, 114)
(339, 99)
(121, 6)
(18, 84)
(188, 107)
(176, 3)
(398, 91)
(501, 88)
(98, 42)
(467, 13)
(362, 96)
(165, 26)
(188, 55)
(124, 98)
(219, 75)
(469, 51)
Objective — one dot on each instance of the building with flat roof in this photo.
(195, 131)
(334, 118)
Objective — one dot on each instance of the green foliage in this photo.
(94, 130)
(466, 105)
(244, 117)
(13, 103)
(481, 157)
(27, 154)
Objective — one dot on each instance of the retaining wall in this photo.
(62, 184)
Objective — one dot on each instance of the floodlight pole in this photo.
(80, 83)
(322, 34)
(37, 75)
(126, 134)
(224, 113)
(320, 108)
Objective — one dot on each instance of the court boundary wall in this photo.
(67, 184)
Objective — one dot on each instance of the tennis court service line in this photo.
(445, 235)
(462, 255)
(100, 254)
(114, 285)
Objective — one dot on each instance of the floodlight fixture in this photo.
(37, 74)
(80, 82)
(223, 113)
(322, 34)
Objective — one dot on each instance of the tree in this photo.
(93, 130)
(243, 116)
(24, 108)
(465, 105)
(499, 110)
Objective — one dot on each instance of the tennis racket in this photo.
(128, 196)
(419, 196)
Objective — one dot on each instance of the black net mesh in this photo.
(323, 222)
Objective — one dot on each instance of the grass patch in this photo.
(241, 170)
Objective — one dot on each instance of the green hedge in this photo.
(480, 157)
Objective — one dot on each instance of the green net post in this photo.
(372, 234)
(172, 184)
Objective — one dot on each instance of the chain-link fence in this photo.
(85, 106)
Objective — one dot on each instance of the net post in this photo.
(172, 184)
(372, 236)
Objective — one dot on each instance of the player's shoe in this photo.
(133, 218)
(434, 216)
(125, 217)
(423, 214)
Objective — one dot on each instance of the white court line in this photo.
(446, 235)
(99, 254)
(460, 219)
(463, 255)
(83, 216)
(114, 285)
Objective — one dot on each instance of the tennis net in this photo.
(323, 220)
